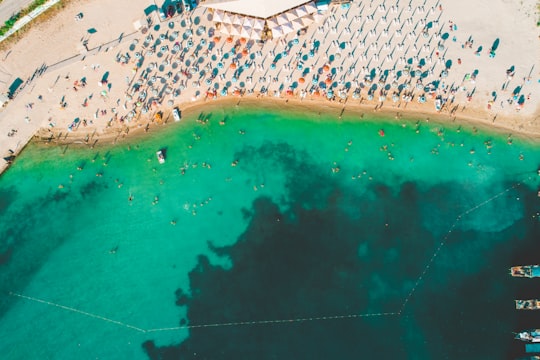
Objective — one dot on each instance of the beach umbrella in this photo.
(326, 68)
(235, 29)
(272, 22)
(258, 24)
(282, 19)
(307, 20)
(291, 15)
(310, 7)
(226, 18)
(301, 80)
(297, 24)
(277, 31)
(273, 66)
(287, 28)
(237, 20)
(245, 52)
(218, 16)
(248, 22)
(244, 32)
(300, 11)
(233, 66)
(236, 92)
(316, 93)
(229, 40)
(328, 81)
(289, 92)
(255, 34)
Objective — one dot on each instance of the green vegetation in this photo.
(9, 23)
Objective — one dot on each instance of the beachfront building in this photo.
(263, 20)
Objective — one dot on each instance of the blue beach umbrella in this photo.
(272, 66)
(220, 65)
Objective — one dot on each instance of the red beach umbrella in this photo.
(301, 80)
(243, 40)
(216, 39)
(326, 68)
(328, 81)
(233, 66)
(245, 52)
(229, 39)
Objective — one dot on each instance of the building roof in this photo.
(256, 8)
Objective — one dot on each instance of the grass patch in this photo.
(42, 18)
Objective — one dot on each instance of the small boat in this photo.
(533, 304)
(381, 132)
(160, 156)
(528, 271)
(532, 335)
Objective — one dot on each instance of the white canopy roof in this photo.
(257, 8)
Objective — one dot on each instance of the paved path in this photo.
(9, 7)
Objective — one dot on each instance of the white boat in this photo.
(532, 335)
(160, 156)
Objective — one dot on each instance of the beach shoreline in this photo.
(356, 110)
(106, 56)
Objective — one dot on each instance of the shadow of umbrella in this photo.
(495, 45)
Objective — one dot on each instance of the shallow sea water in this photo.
(394, 246)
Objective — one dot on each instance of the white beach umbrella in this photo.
(244, 32)
(218, 16)
(307, 20)
(235, 29)
(256, 34)
(258, 24)
(248, 22)
(287, 28)
(277, 31)
(297, 24)
(272, 22)
(311, 8)
(301, 11)
(225, 29)
(291, 15)
(282, 19)
(226, 18)
(237, 20)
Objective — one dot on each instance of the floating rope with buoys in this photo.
(281, 321)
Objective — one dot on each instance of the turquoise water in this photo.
(405, 239)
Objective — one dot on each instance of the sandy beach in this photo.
(96, 79)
